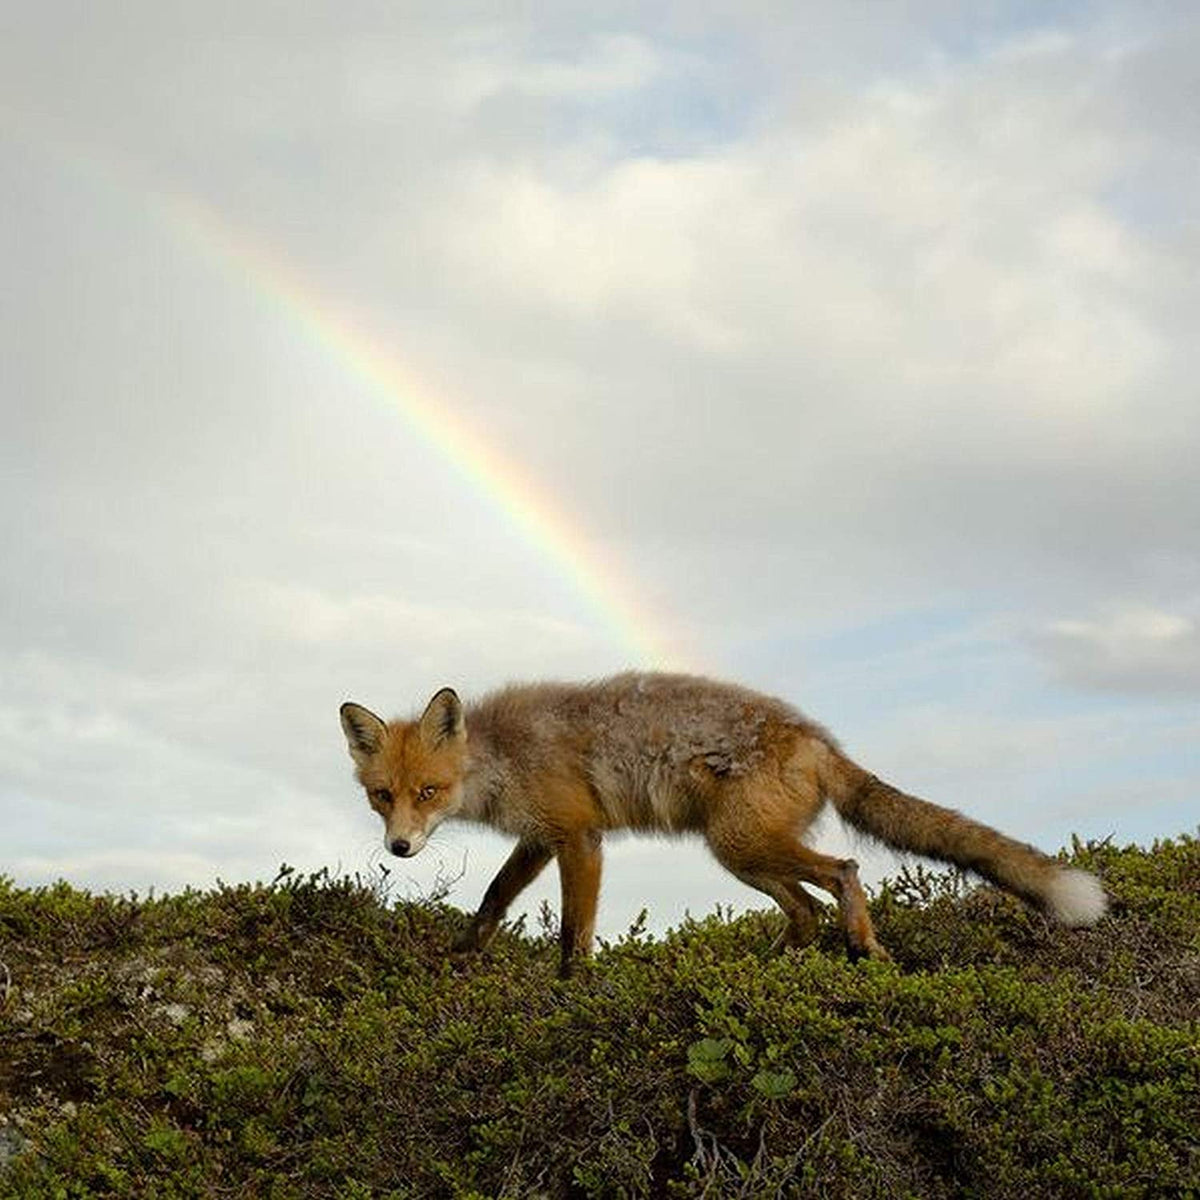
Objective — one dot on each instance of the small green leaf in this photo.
(774, 1085)
(706, 1059)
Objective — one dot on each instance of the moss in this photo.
(307, 1038)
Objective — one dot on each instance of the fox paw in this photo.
(467, 942)
(869, 949)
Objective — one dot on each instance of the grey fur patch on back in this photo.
(638, 734)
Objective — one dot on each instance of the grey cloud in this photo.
(1132, 650)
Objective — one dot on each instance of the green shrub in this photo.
(306, 1038)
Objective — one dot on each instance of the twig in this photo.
(708, 1162)
(444, 884)
(756, 1165)
(697, 1136)
(799, 1152)
(516, 1158)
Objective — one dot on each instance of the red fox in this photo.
(558, 764)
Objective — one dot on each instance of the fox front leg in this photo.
(521, 868)
(579, 863)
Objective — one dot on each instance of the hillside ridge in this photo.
(309, 1037)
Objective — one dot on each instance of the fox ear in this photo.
(364, 731)
(443, 718)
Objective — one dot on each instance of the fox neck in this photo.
(481, 782)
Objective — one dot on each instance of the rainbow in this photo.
(498, 479)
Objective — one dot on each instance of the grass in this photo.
(308, 1038)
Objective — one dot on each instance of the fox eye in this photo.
(427, 792)
(381, 796)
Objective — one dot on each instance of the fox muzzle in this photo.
(405, 846)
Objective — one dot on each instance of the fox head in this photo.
(412, 770)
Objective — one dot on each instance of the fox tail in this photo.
(1071, 896)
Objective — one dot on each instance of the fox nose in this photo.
(400, 846)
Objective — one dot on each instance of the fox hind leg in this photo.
(797, 905)
(852, 907)
(776, 862)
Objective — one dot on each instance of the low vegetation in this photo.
(307, 1038)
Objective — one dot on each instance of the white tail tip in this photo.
(1076, 898)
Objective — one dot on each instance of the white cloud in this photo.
(605, 64)
(957, 242)
(1131, 649)
(916, 291)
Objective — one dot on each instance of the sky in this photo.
(352, 350)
